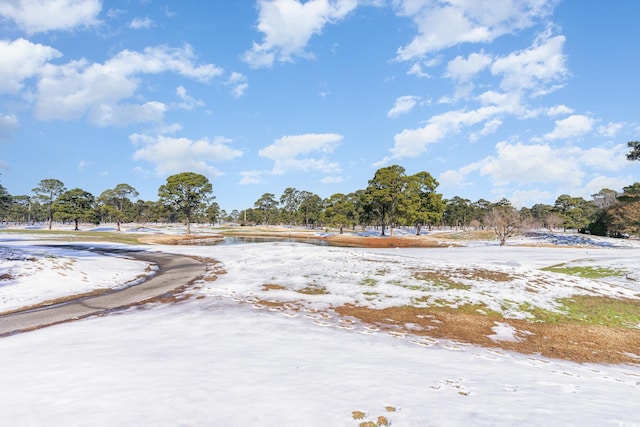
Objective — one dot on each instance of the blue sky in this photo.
(524, 99)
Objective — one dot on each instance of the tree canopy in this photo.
(187, 192)
(634, 150)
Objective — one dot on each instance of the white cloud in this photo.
(35, 16)
(444, 24)
(403, 105)
(413, 142)
(171, 155)
(251, 177)
(22, 59)
(238, 84)
(125, 114)
(286, 153)
(463, 70)
(534, 68)
(570, 127)
(8, 125)
(519, 165)
(559, 110)
(528, 198)
(78, 88)
(188, 103)
(288, 25)
(610, 130)
(611, 182)
(608, 158)
(417, 70)
(141, 23)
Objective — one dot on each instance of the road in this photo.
(173, 272)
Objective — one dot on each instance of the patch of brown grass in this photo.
(385, 242)
(579, 343)
(273, 287)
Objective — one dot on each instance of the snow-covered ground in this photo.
(38, 272)
(227, 359)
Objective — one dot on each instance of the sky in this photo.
(525, 100)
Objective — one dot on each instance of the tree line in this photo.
(391, 199)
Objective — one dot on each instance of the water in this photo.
(238, 240)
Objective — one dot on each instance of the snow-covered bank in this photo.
(226, 359)
(33, 272)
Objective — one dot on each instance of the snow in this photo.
(225, 359)
(38, 272)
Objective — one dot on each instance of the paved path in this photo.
(173, 272)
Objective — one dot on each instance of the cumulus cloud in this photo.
(516, 163)
(573, 126)
(463, 69)
(444, 24)
(288, 25)
(403, 105)
(519, 165)
(172, 155)
(611, 129)
(413, 142)
(79, 88)
(559, 110)
(36, 16)
(141, 23)
(22, 59)
(294, 152)
(534, 68)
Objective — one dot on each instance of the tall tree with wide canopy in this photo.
(268, 205)
(385, 193)
(187, 193)
(74, 205)
(117, 198)
(47, 192)
(424, 206)
(289, 205)
(339, 209)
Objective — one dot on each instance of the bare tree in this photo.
(505, 221)
(553, 221)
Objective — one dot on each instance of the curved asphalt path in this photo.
(173, 272)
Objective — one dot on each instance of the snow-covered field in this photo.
(228, 359)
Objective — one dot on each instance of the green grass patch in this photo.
(368, 282)
(585, 271)
(313, 289)
(440, 279)
(589, 310)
